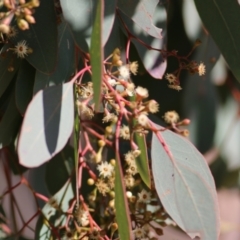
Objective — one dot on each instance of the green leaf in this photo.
(221, 18)
(142, 160)
(47, 125)
(24, 86)
(65, 61)
(41, 38)
(55, 217)
(185, 185)
(96, 54)
(81, 17)
(7, 60)
(59, 169)
(121, 205)
(10, 123)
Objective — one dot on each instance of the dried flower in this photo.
(171, 77)
(21, 49)
(201, 69)
(171, 117)
(102, 187)
(125, 132)
(12, 33)
(105, 169)
(175, 87)
(133, 67)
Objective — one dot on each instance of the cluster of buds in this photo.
(23, 11)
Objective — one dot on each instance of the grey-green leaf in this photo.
(220, 18)
(65, 61)
(47, 125)
(185, 185)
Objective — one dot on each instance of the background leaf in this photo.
(185, 185)
(59, 169)
(152, 60)
(10, 123)
(50, 214)
(7, 60)
(41, 38)
(24, 86)
(81, 16)
(227, 37)
(47, 125)
(65, 61)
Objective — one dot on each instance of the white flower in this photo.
(129, 89)
(125, 132)
(124, 72)
(129, 181)
(109, 117)
(153, 106)
(130, 158)
(142, 92)
(201, 69)
(139, 233)
(112, 82)
(143, 119)
(21, 49)
(82, 216)
(132, 169)
(105, 169)
(171, 117)
(144, 196)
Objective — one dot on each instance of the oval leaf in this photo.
(225, 14)
(65, 61)
(47, 125)
(185, 185)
